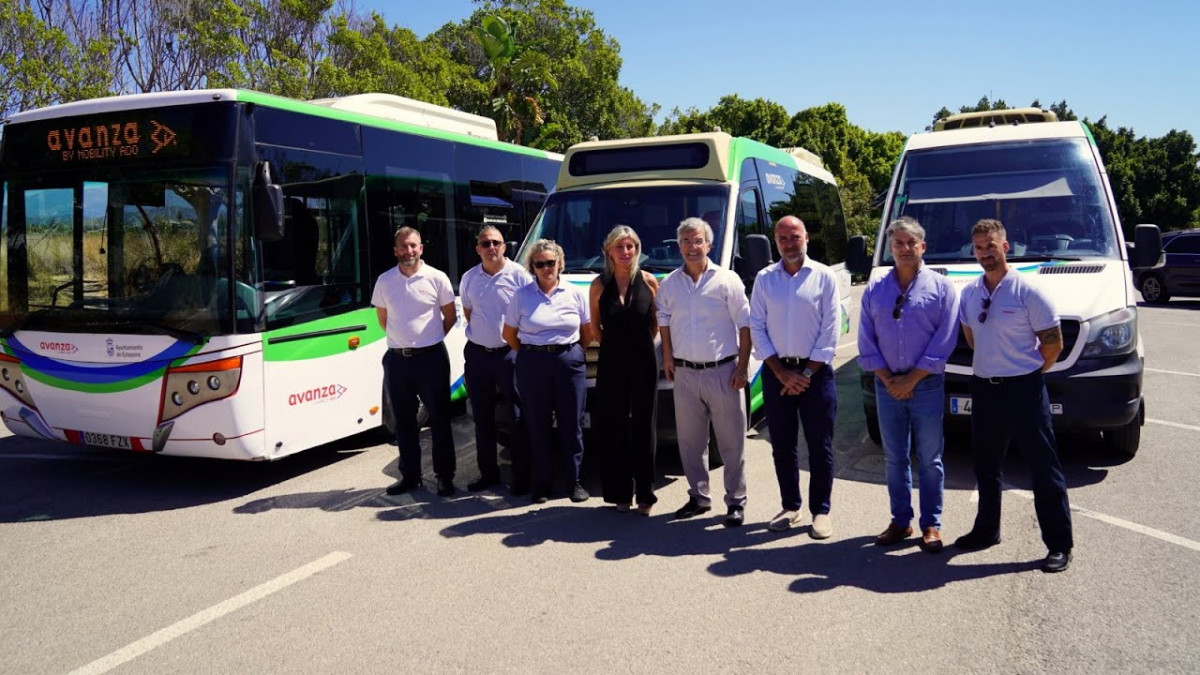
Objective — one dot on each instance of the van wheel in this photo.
(1123, 441)
(873, 426)
(1154, 291)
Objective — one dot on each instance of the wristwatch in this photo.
(807, 372)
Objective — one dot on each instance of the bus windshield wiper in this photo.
(1042, 257)
(177, 333)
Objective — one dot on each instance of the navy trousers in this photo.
(816, 409)
(424, 375)
(552, 387)
(1017, 408)
(491, 380)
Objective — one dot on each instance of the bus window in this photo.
(748, 222)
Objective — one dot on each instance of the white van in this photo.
(1045, 181)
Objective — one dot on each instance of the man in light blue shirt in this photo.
(907, 329)
(793, 324)
(486, 290)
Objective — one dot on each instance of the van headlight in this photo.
(1112, 334)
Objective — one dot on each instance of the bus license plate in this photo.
(107, 440)
(960, 405)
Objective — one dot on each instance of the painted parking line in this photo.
(159, 638)
(1172, 372)
(1176, 425)
(1111, 520)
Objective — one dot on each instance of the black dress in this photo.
(626, 391)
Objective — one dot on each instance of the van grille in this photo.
(1071, 269)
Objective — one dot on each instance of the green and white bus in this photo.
(738, 186)
(190, 273)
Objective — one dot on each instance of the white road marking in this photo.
(159, 638)
(1168, 323)
(1177, 425)
(1111, 520)
(1172, 372)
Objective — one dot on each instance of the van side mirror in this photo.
(268, 205)
(1147, 248)
(757, 253)
(857, 260)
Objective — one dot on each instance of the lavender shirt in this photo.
(924, 335)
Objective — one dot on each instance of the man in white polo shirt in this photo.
(1016, 336)
(486, 290)
(704, 321)
(415, 306)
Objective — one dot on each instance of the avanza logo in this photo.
(317, 394)
(58, 347)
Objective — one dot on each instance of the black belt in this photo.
(1010, 378)
(491, 350)
(793, 361)
(704, 365)
(412, 351)
(553, 349)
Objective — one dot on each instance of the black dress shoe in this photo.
(540, 498)
(518, 488)
(974, 541)
(401, 486)
(1056, 562)
(483, 483)
(578, 494)
(691, 509)
(735, 517)
(445, 487)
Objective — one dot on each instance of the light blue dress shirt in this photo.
(487, 297)
(795, 315)
(542, 319)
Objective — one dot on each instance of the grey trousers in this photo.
(702, 396)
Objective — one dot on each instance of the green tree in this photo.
(367, 56)
(760, 119)
(519, 76)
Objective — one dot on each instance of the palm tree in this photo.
(519, 73)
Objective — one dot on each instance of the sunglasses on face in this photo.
(987, 302)
(896, 311)
(543, 264)
(490, 243)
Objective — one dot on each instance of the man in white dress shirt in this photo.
(793, 322)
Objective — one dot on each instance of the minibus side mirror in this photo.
(510, 249)
(757, 253)
(1148, 246)
(857, 260)
(268, 205)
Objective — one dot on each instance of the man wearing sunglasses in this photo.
(907, 330)
(486, 290)
(1016, 336)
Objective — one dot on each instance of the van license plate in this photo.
(960, 405)
(107, 440)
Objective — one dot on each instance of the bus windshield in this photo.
(117, 250)
(579, 221)
(1048, 194)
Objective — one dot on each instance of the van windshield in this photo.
(1048, 194)
(580, 220)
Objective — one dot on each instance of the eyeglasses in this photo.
(543, 264)
(987, 302)
(491, 243)
(896, 311)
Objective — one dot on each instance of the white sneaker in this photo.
(783, 521)
(822, 527)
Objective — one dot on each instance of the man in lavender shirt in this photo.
(907, 330)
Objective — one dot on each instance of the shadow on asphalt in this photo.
(44, 481)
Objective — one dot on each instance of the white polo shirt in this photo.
(1005, 343)
(487, 297)
(414, 305)
(705, 315)
(795, 315)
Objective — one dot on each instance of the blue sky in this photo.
(893, 64)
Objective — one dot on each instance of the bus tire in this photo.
(1123, 441)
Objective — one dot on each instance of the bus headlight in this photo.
(182, 390)
(12, 380)
(1112, 334)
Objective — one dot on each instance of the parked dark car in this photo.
(1180, 272)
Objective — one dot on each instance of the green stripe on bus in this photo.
(323, 345)
(106, 388)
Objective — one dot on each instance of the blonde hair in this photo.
(541, 246)
(617, 234)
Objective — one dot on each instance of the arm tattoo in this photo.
(1050, 336)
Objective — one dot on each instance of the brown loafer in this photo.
(931, 540)
(894, 534)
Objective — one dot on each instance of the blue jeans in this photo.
(902, 424)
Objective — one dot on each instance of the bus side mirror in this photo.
(1148, 247)
(757, 253)
(857, 260)
(268, 205)
(510, 249)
